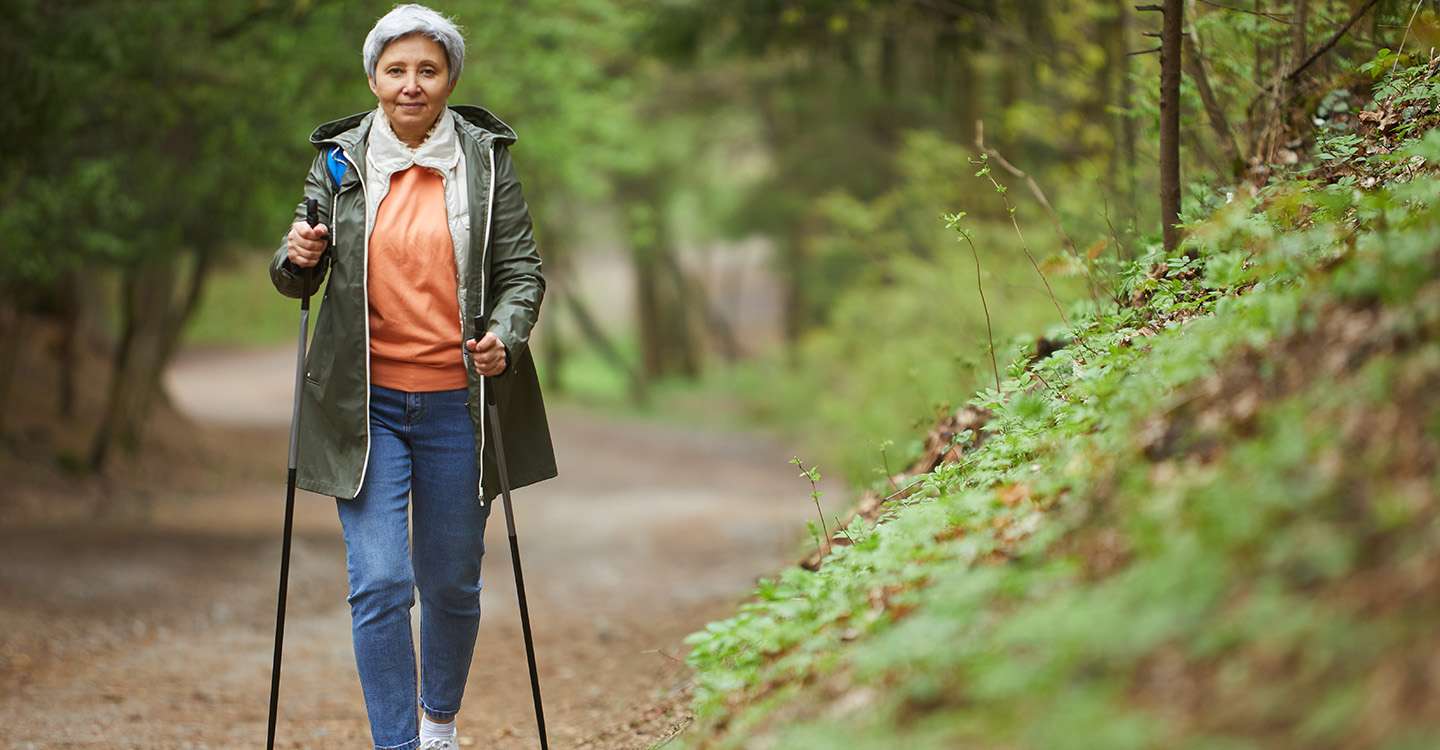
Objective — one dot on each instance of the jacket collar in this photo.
(388, 154)
(350, 132)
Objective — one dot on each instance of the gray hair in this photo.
(409, 19)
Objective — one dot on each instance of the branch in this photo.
(990, 153)
(1334, 38)
(1029, 182)
(1267, 15)
(260, 13)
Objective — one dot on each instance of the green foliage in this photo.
(126, 145)
(905, 329)
(1160, 542)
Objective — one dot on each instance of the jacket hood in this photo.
(477, 122)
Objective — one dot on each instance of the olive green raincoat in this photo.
(505, 282)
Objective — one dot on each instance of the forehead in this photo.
(414, 48)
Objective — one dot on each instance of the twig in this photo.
(1406, 36)
(984, 306)
(1029, 182)
(1052, 388)
(902, 490)
(1024, 246)
(1121, 254)
(885, 461)
(662, 652)
(675, 733)
(813, 475)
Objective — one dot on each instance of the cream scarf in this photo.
(440, 151)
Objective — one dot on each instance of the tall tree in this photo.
(1172, 28)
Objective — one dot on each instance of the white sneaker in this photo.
(448, 743)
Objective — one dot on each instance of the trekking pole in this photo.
(494, 413)
(312, 217)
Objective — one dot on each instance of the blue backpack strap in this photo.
(336, 164)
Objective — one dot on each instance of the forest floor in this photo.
(138, 610)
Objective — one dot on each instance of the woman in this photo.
(422, 227)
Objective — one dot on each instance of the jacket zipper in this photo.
(484, 256)
(334, 241)
(365, 313)
(365, 286)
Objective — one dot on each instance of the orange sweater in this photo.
(414, 309)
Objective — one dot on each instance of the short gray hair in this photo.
(409, 19)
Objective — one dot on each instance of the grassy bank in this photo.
(1209, 520)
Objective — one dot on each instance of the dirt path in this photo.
(159, 635)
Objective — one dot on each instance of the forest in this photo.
(972, 373)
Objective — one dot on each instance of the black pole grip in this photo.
(481, 323)
(312, 217)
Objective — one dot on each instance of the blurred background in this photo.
(743, 194)
(739, 205)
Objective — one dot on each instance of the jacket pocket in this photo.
(321, 357)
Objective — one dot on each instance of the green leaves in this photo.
(1186, 500)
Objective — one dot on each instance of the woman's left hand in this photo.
(487, 354)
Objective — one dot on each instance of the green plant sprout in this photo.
(953, 221)
(813, 474)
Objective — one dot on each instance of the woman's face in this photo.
(412, 82)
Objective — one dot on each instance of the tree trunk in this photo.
(1299, 37)
(553, 353)
(966, 94)
(699, 298)
(795, 308)
(647, 304)
(153, 317)
(68, 299)
(100, 444)
(1128, 137)
(1170, 122)
(1106, 85)
(662, 311)
(10, 339)
(557, 220)
(590, 329)
(1260, 56)
(889, 63)
(1194, 64)
(681, 349)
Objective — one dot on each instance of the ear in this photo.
(373, 89)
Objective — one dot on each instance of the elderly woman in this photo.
(422, 227)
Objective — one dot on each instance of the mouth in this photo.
(411, 106)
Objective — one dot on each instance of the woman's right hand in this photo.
(305, 244)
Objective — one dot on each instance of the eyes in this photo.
(426, 71)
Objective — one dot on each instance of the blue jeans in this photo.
(422, 445)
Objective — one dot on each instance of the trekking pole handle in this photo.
(481, 323)
(312, 217)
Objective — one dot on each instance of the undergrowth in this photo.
(1212, 524)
